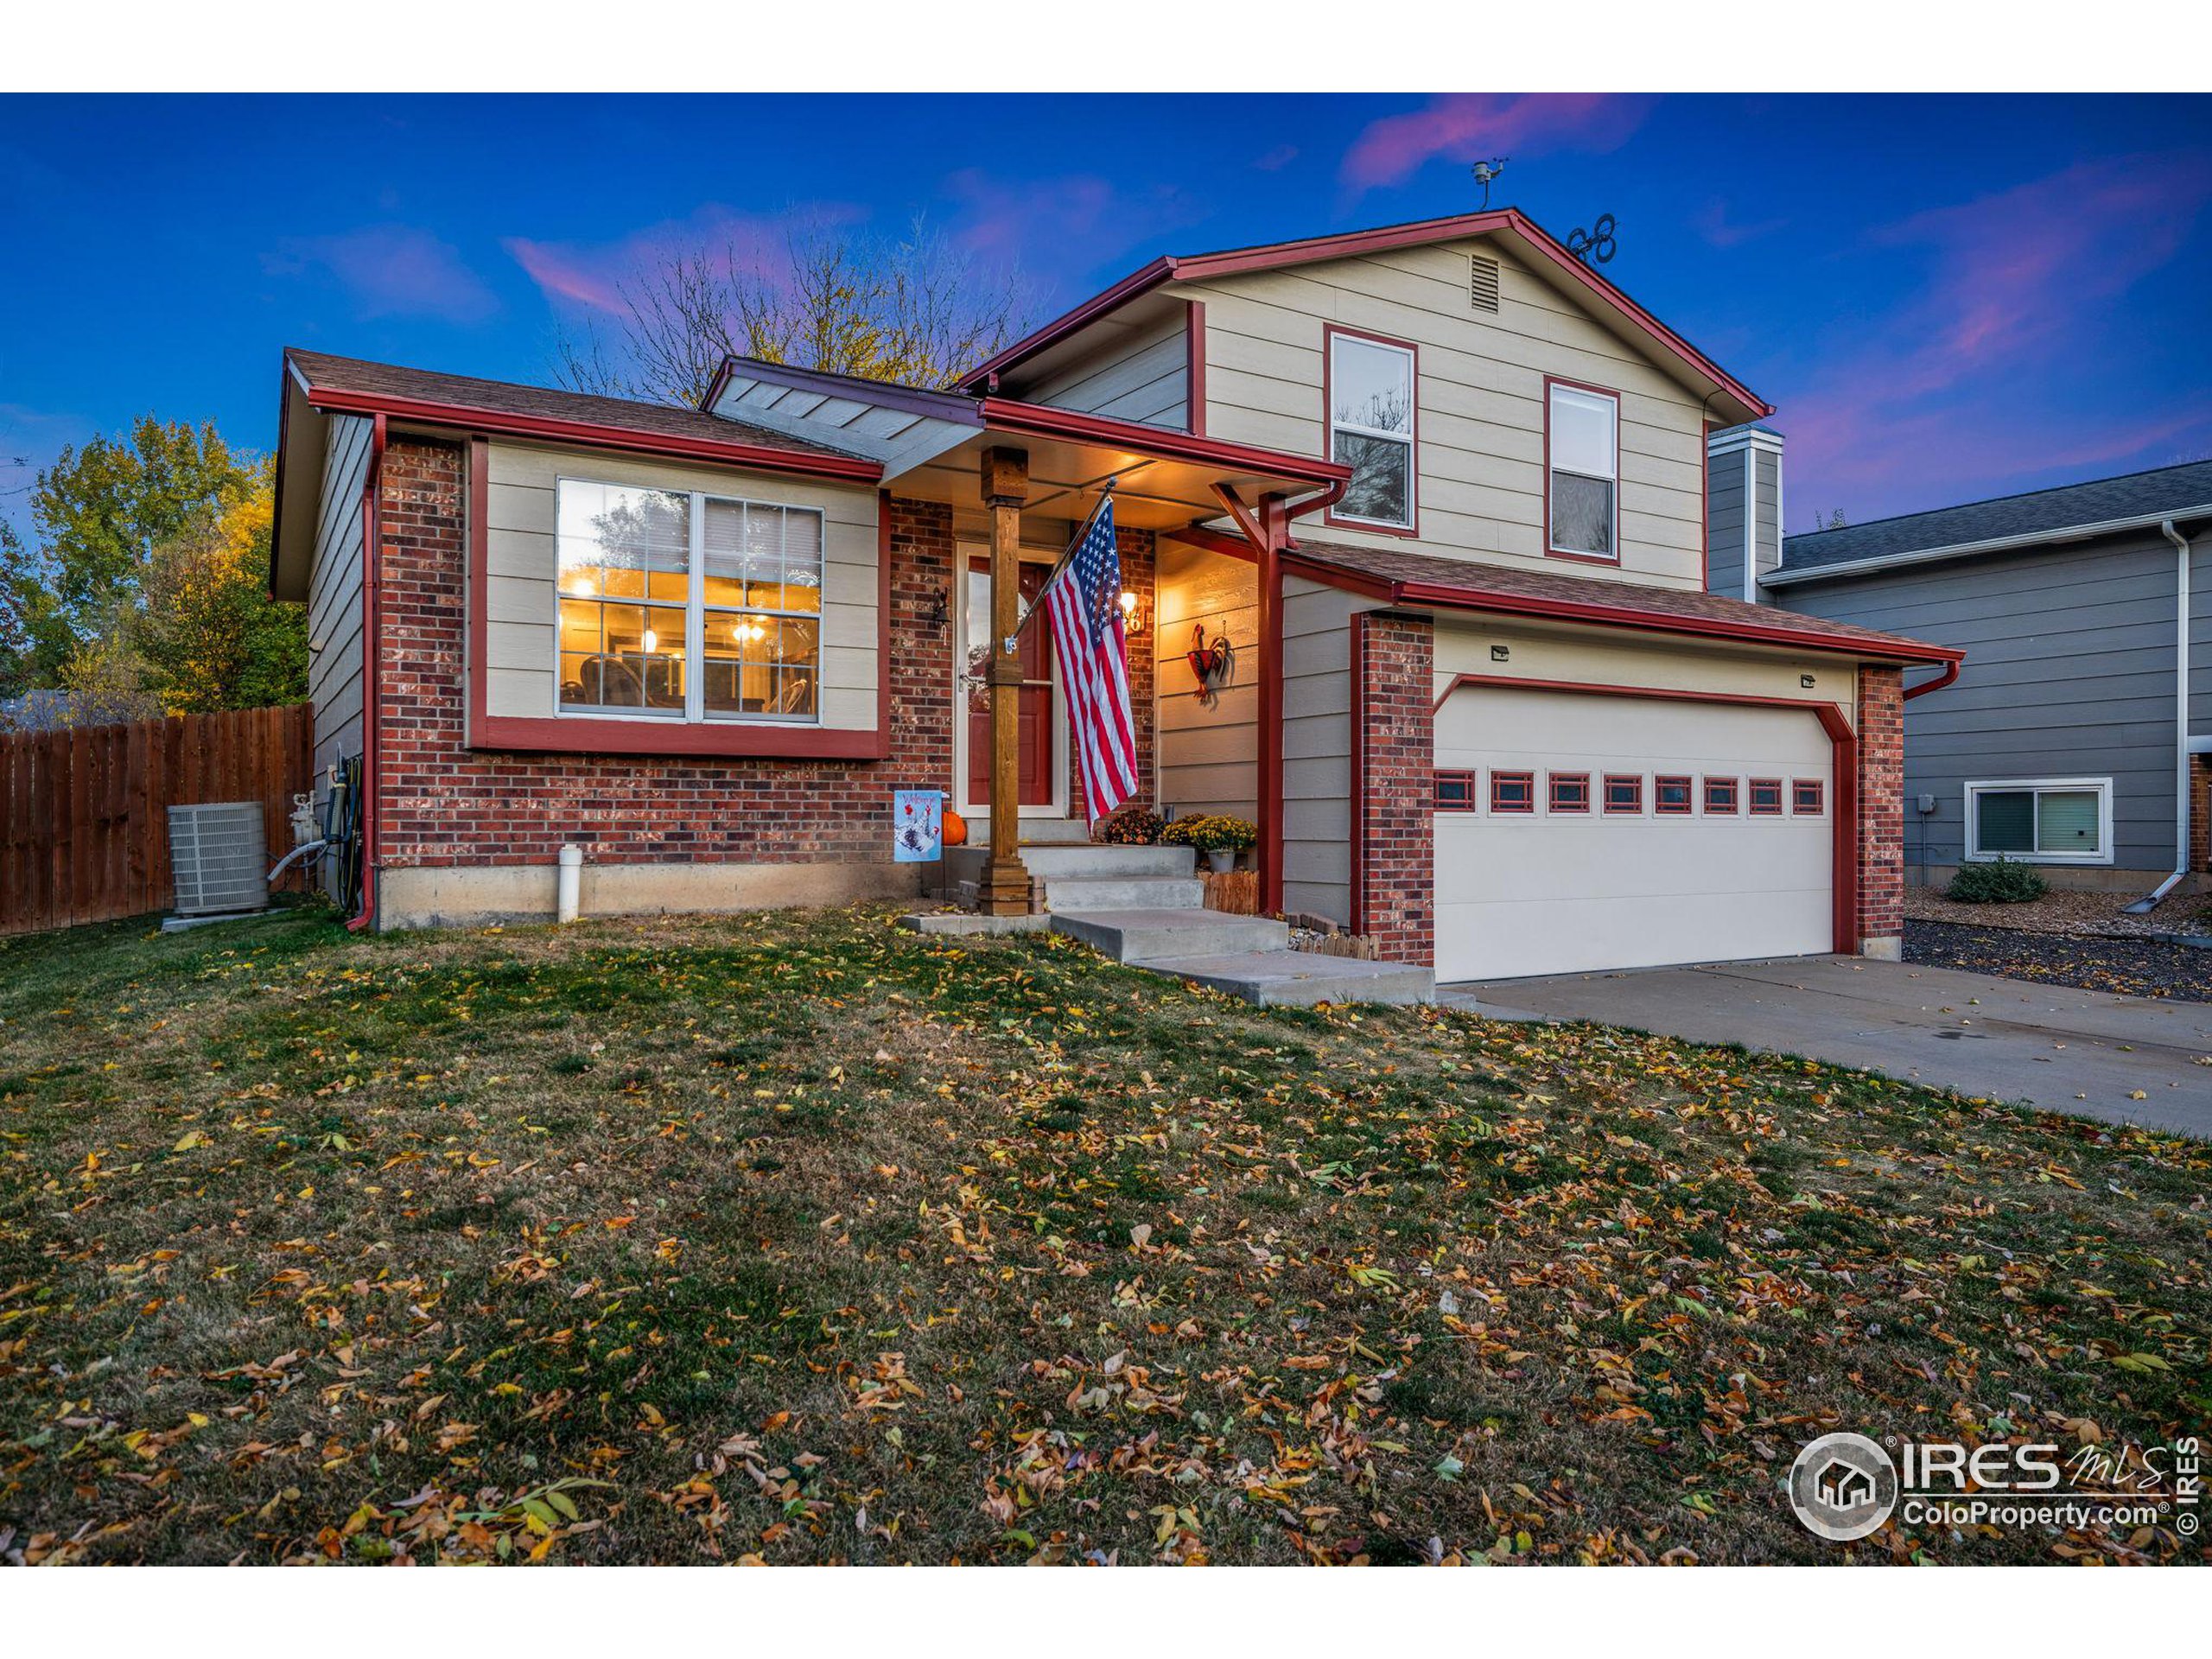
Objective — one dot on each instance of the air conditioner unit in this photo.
(220, 857)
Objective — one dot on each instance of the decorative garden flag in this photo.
(917, 825)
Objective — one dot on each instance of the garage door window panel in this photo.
(1720, 795)
(1455, 791)
(1624, 793)
(1513, 792)
(1671, 795)
(1766, 797)
(1570, 791)
(1808, 797)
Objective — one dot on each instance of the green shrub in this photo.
(1212, 833)
(1998, 882)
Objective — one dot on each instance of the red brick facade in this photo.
(441, 804)
(2200, 812)
(1394, 747)
(1880, 727)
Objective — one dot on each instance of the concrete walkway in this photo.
(2084, 1052)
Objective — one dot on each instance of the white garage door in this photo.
(1578, 831)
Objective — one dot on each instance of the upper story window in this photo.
(1583, 441)
(1372, 428)
(683, 605)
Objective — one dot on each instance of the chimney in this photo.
(1742, 516)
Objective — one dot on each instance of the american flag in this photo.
(1084, 605)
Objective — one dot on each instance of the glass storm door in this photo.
(1039, 792)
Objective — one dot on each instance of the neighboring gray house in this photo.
(2069, 740)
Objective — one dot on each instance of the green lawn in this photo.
(796, 1237)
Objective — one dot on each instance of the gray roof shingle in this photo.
(2164, 491)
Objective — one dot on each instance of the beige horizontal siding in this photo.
(1133, 374)
(1317, 748)
(1206, 753)
(1481, 404)
(521, 600)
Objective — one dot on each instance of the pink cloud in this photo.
(1468, 127)
(591, 275)
(1950, 385)
(1277, 159)
(391, 271)
(1078, 219)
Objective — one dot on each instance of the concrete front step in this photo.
(1299, 979)
(1124, 892)
(1156, 936)
(1080, 861)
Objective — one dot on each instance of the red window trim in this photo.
(1659, 784)
(1735, 795)
(1335, 521)
(1798, 786)
(1752, 798)
(1635, 781)
(1551, 380)
(1552, 780)
(1527, 782)
(1458, 775)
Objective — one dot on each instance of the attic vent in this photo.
(218, 853)
(1482, 282)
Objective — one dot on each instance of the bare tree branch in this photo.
(916, 311)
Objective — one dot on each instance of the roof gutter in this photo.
(592, 435)
(1502, 604)
(2150, 900)
(1786, 577)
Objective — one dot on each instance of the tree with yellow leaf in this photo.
(207, 630)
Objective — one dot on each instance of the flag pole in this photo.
(1105, 495)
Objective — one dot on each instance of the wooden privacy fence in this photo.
(86, 813)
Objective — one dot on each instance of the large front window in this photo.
(685, 605)
(2058, 821)
(1583, 439)
(1372, 428)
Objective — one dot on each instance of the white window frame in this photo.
(694, 614)
(1411, 437)
(1552, 389)
(2102, 786)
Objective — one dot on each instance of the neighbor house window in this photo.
(1624, 791)
(1570, 791)
(684, 605)
(1372, 428)
(2065, 820)
(1583, 439)
(1455, 791)
(1513, 792)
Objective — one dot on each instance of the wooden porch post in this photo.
(1004, 890)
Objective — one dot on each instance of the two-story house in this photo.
(1441, 487)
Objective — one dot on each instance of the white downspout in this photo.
(2180, 722)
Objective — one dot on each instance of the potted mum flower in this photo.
(1219, 838)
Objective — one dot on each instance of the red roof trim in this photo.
(593, 435)
(1271, 256)
(1616, 616)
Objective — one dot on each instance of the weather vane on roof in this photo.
(1484, 173)
(1597, 245)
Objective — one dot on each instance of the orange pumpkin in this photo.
(955, 828)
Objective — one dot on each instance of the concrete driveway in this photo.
(2085, 1051)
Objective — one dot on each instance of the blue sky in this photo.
(1946, 297)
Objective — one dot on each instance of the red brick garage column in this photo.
(1393, 805)
(1881, 812)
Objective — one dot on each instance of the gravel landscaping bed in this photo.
(2065, 913)
(2134, 967)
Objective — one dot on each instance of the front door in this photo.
(1044, 788)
